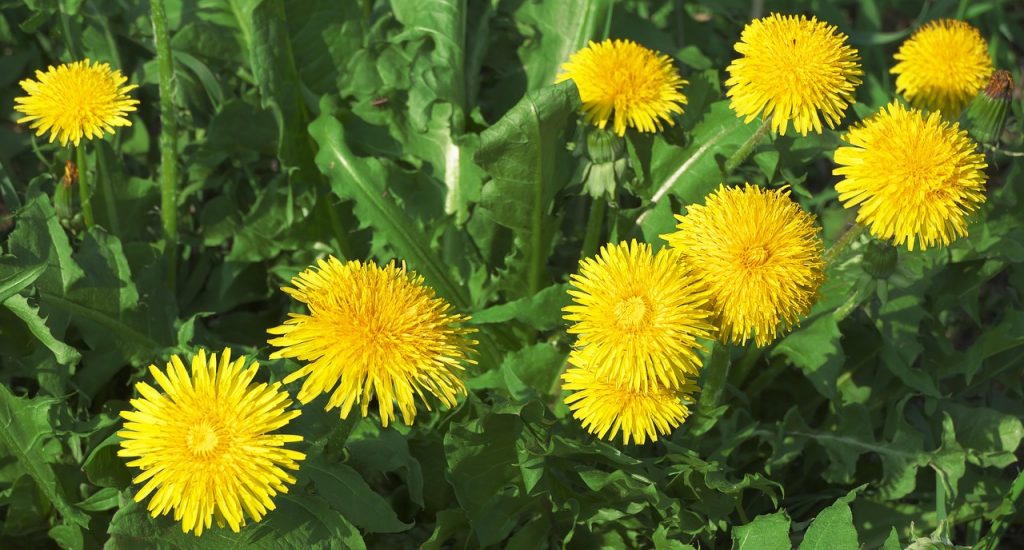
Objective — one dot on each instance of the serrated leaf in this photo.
(525, 155)
(767, 532)
(348, 493)
(833, 528)
(25, 424)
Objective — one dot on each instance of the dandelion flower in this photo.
(205, 445)
(942, 66)
(605, 407)
(915, 177)
(76, 100)
(372, 331)
(638, 316)
(760, 255)
(793, 69)
(640, 85)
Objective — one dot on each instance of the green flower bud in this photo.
(987, 112)
(608, 165)
(879, 259)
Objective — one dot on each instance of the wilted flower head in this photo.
(76, 100)
(372, 331)
(760, 256)
(915, 177)
(793, 69)
(638, 316)
(942, 66)
(640, 85)
(205, 443)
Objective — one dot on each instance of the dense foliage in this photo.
(430, 131)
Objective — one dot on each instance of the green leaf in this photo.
(559, 29)
(833, 528)
(348, 493)
(766, 532)
(525, 155)
(26, 425)
(691, 173)
(363, 180)
(542, 311)
(63, 353)
(20, 277)
(438, 100)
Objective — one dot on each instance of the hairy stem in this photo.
(744, 151)
(168, 139)
(84, 187)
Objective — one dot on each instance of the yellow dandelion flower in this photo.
(942, 66)
(760, 255)
(915, 177)
(605, 407)
(638, 315)
(205, 445)
(76, 100)
(640, 85)
(793, 69)
(373, 331)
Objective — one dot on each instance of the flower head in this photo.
(76, 100)
(204, 444)
(372, 331)
(942, 66)
(760, 255)
(640, 85)
(605, 407)
(915, 177)
(638, 316)
(793, 69)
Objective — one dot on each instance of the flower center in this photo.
(202, 438)
(631, 313)
(754, 257)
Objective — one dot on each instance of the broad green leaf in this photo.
(348, 493)
(19, 277)
(767, 532)
(691, 173)
(542, 311)
(525, 155)
(559, 28)
(26, 426)
(363, 180)
(833, 528)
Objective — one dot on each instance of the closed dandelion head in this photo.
(205, 444)
(942, 66)
(76, 100)
(372, 332)
(605, 408)
(640, 85)
(793, 69)
(638, 316)
(760, 256)
(915, 177)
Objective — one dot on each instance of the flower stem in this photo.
(168, 139)
(842, 242)
(84, 189)
(744, 151)
(103, 174)
(592, 238)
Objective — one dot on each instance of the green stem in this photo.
(995, 534)
(744, 151)
(84, 189)
(107, 190)
(940, 498)
(337, 229)
(592, 238)
(842, 242)
(168, 139)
